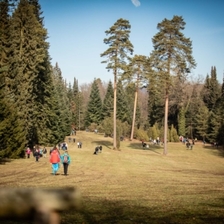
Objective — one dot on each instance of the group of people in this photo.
(37, 152)
(63, 146)
(55, 157)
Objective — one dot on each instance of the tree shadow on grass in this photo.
(215, 151)
(215, 204)
(107, 144)
(152, 148)
(125, 212)
(3, 161)
(119, 212)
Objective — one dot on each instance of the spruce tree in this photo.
(194, 103)
(30, 72)
(214, 124)
(215, 91)
(172, 55)
(94, 108)
(25, 56)
(63, 111)
(72, 95)
(43, 84)
(220, 106)
(117, 54)
(211, 90)
(173, 134)
(202, 122)
(181, 122)
(123, 112)
(155, 101)
(4, 38)
(4, 32)
(108, 107)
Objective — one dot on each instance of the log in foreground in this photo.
(43, 206)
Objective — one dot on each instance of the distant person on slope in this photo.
(36, 154)
(28, 152)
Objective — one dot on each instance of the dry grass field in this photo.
(131, 186)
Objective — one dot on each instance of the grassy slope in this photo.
(132, 185)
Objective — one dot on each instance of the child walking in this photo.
(28, 152)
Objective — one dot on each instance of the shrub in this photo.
(141, 134)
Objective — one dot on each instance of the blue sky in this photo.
(76, 29)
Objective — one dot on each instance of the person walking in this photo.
(44, 152)
(28, 151)
(55, 160)
(65, 160)
(36, 155)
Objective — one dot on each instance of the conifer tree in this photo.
(70, 92)
(123, 113)
(80, 109)
(108, 106)
(172, 55)
(205, 90)
(37, 11)
(220, 106)
(117, 54)
(30, 72)
(4, 32)
(211, 90)
(202, 122)
(63, 112)
(194, 103)
(173, 134)
(75, 103)
(155, 101)
(214, 124)
(4, 37)
(181, 122)
(94, 108)
(25, 54)
(43, 84)
(12, 139)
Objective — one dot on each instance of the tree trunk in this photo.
(166, 124)
(115, 112)
(134, 113)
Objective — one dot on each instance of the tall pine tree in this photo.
(172, 55)
(117, 54)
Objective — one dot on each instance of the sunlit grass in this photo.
(132, 185)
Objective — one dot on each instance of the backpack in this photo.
(65, 159)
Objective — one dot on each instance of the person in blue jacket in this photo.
(65, 160)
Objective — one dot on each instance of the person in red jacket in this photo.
(55, 160)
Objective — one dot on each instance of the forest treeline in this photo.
(38, 106)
